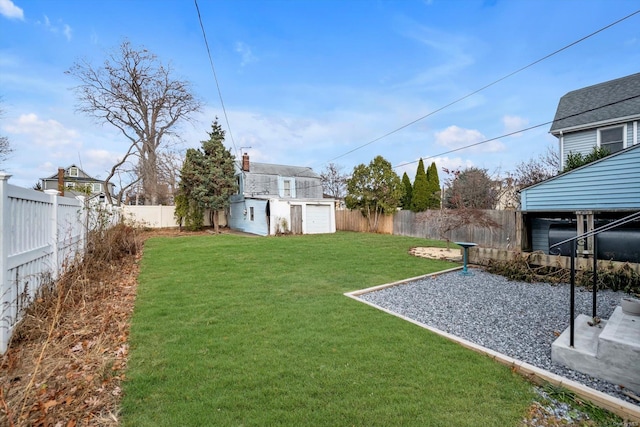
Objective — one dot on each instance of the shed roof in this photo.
(282, 170)
(600, 103)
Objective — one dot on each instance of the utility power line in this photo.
(513, 133)
(520, 131)
(489, 85)
(215, 76)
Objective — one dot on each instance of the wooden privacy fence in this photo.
(40, 232)
(348, 220)
(432, 224)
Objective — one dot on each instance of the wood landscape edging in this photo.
(537, 375)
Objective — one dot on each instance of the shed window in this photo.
(612, 139)
(251, 213)
(287, 188)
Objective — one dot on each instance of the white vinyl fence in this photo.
(162, 216)
(39, 234)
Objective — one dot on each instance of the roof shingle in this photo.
(599, 103)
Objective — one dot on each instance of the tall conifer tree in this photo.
(208, 176)
(434, 186)
(408, 189)
(420, 194)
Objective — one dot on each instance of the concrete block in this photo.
(610, 350)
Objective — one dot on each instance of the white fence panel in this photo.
(39, 233)
(157, 216)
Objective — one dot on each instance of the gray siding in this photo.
(612, 183)
(308, 188)
(258, 184)
(579, 142)
(630, 140)
(269, 185)
(540, 233)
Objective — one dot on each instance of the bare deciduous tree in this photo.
(5, 146)
(537, 169)
(445, 221)
(334, 182)
(133, 91)
(471, 188)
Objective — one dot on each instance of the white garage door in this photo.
(318, 219)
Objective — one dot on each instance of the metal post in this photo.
(595, 274)
(464, 262)
(573, 286)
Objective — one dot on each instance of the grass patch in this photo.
(230, 330)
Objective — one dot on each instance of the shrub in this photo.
(622, 278)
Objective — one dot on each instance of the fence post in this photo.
(84, 222)
(55, 244)
(5, 286)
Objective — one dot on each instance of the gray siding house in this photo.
(77, 182)
(603, 115)
(276, 199)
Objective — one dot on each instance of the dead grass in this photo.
(67, 357)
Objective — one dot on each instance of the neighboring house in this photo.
(603, 115)
(74, 181)
(274, 199)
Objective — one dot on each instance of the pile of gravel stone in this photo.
(517, 319)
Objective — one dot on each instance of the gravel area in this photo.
(518, 319)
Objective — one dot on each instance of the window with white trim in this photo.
(69, 184)
(287, 188)
(96, 187)
(612, 138)
(73, 171)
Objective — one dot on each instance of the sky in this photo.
(308, 83)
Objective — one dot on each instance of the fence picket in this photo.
(426, 225)
(39, 231)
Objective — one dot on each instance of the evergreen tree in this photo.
(187, 209)
(406, 200)
(420, 194)
(208, 176)
(434, 186)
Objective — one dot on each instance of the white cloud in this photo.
(67, 32)
(246, 54)
(44, 133)
(98, 162)
(65, 29)
(514, 124)
(10, 10)
(455, 137)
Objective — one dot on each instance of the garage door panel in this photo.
(318, 219)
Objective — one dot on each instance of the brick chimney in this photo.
(245, 162)
(61, 181)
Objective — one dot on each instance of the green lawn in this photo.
(231, 331)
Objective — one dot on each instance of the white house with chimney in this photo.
(274, 199)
